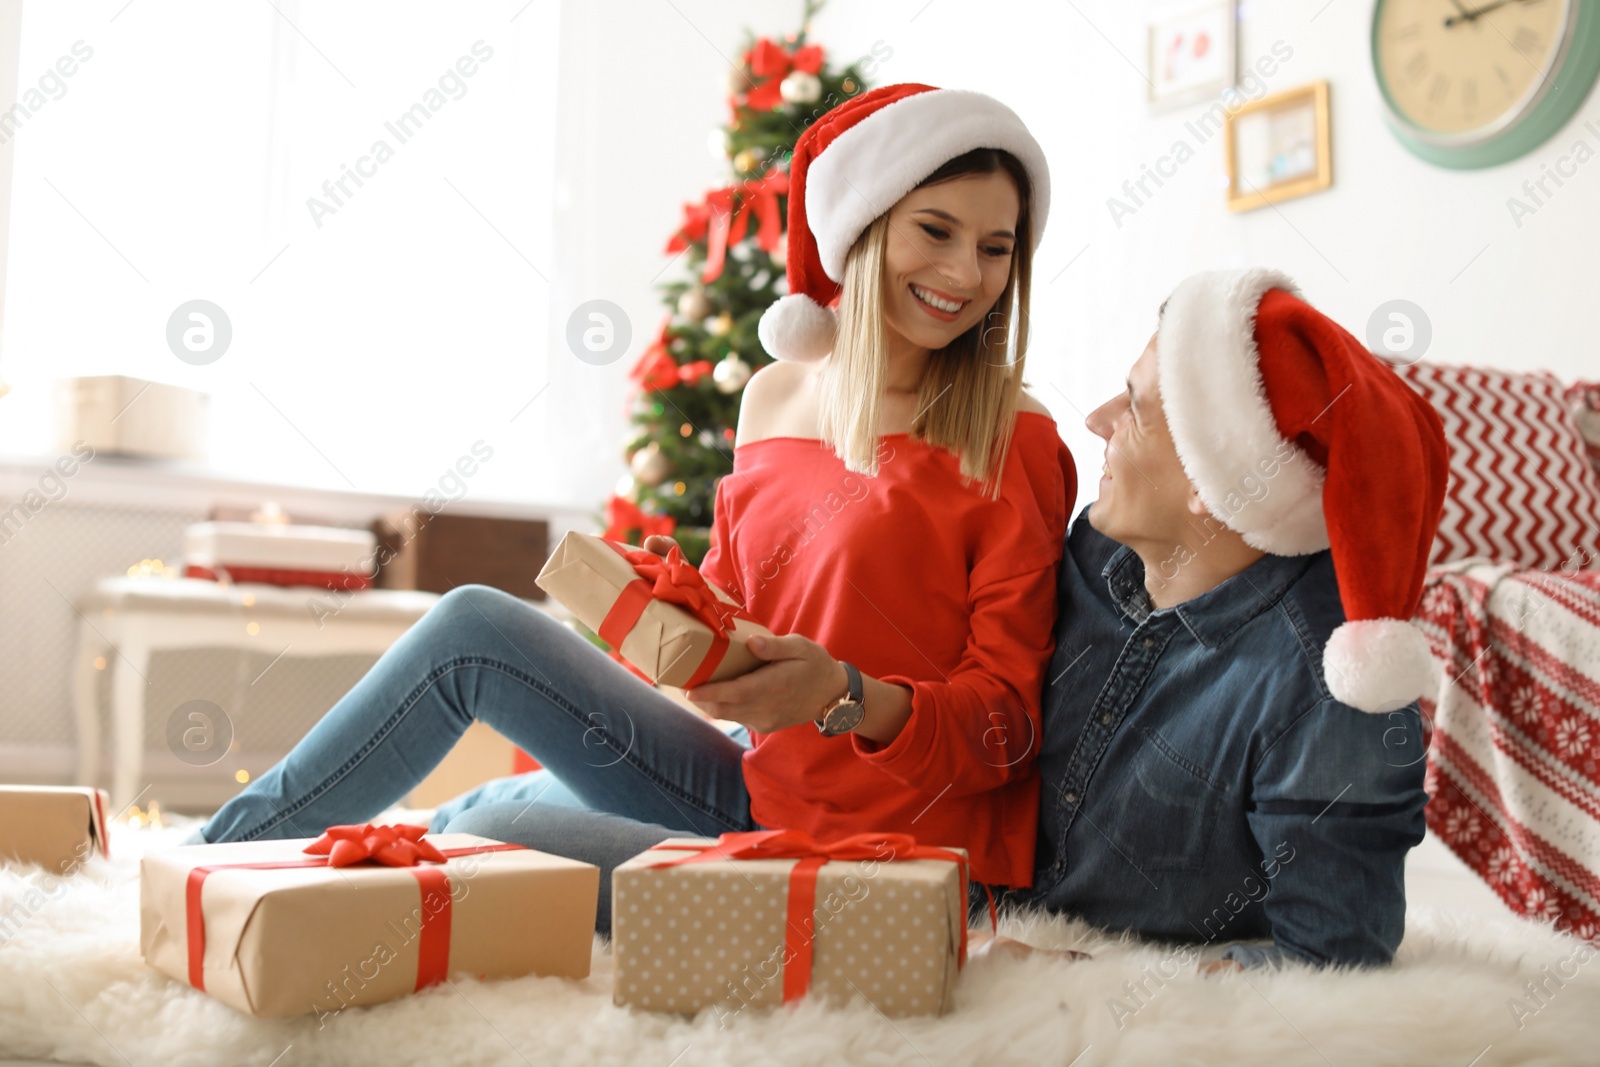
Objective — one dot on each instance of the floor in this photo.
(1435, 878)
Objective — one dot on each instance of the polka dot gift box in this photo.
(756, 920)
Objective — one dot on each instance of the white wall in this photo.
(1390, 227)
(642, 86)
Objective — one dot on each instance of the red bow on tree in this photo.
(393, 845)
(656, 369)
(723, 219)
(770, 64)
(624, 516)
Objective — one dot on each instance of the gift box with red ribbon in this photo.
(57, 827)
(657, 612)
(755, 920)
(361, 915)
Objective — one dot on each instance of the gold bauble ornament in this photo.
(694, 304)
(719, 326)
(650, 465)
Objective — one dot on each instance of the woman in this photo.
(933, 575)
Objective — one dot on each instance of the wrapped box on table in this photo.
(658, 612)
(57, 827)
(707, 931)
(272, 931)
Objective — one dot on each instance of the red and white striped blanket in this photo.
(1512, 765)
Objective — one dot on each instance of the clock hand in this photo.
(1472, 16)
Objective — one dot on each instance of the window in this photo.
(364, 189)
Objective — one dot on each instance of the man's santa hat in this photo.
(1250, 373)
(852, 165)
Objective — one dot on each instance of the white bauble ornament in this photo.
(730, 374)
(694, 304)
(800, 88)
(650, 465)
(624, 487)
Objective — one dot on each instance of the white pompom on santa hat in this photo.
(851, 166)
(1250, 373)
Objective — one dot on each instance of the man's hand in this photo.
(797, 681)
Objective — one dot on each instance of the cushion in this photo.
(1521, 487)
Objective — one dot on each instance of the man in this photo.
(1231, 748)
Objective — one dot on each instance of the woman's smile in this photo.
(939, 305)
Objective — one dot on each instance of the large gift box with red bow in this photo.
(765, 918)
(360, 915)
(57, 827)
(657, 612)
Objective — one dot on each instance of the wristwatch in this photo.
(846, 713)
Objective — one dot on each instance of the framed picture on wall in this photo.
(1279, 147)
(1191, 50)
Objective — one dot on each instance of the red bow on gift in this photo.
(672, 579)
(797, 844)
(724, 219)
(624, 515)
(393, 845)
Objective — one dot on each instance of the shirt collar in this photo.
(1212, 616)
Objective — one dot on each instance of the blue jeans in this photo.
(625, 766)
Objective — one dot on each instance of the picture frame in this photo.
(1190, 52)
(1279, 147)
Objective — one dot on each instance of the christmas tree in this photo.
(730, 248)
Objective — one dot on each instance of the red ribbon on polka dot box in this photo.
(755, 920)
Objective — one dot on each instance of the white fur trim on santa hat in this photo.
(1378, 665)
(798, 329)
(870, 166)
(1253, 481)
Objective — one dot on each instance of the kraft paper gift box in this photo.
(272, 931)
(57, 827)
(726, 934)
(624, 594)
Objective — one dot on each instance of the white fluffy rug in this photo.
(73, 988)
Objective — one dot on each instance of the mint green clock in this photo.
(1475, 83)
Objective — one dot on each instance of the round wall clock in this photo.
(1473, 83)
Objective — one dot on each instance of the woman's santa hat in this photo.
(852, 165)
(1250, 374)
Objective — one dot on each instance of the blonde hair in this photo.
(981, 371)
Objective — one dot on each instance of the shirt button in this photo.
(1149, 641)
(1106, 719)
(1072, 798)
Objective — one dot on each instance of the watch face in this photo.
(842, 718)
(1462, 71)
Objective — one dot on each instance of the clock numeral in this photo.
(1527, 41)
(1417, 66)
(1439, 89)
(1469, 94)
(1505, 79)
(1405, 32)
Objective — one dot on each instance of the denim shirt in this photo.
(1199, 782)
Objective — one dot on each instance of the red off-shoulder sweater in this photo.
(921, 581)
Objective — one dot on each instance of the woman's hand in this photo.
(793, 687)
(660, 544)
